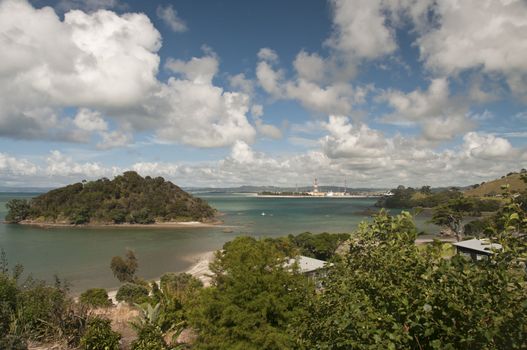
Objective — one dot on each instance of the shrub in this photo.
(132, 293)
(100, 336)
(95, 297)
(180, 285)
(149, 337)
(8, 295)
(40, 309)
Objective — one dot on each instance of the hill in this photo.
(128, 198)
(493, 188)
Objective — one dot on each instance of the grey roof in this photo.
(479, 245)
(307, 264)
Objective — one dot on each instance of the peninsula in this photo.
(128, 199)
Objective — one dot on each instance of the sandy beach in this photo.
(178, 224)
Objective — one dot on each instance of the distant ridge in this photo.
(494, 187)
(7, 189)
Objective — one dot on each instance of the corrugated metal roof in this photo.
(479, 245)
(307, 264)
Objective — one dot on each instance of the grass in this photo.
(494, 187)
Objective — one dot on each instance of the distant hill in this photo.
(6, 189)
(493, 188)
(128, 198)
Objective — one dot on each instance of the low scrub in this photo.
(132, 293)
(100, 336)
(95, 297)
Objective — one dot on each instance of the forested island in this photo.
(127, 199)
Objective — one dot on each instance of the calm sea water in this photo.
(82, 255)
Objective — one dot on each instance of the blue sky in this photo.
(225, 93)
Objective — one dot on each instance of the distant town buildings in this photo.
(316, 192)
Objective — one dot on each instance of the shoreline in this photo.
(157, 225)
(304, 196)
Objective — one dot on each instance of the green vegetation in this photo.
(18, 210)
(254, 299)
(389, 294)
(320, 246)
(132, 293)
(100, 336)
(128, 198)
(31, 310)
(404, 198)
(95, 297)
(381, 291)
(124, 269)
(385, 293)
(149, 337)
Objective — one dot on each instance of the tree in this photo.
(387, 293)
(451, 215)
(18, 210)
(254, 298)
(124, 269)
(426, 190)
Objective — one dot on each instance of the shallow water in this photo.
(82, 255)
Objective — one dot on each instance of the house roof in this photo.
(307, 264)
(479, 245)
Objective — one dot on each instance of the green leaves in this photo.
(254, 300)
(128, 198)
(389, 294)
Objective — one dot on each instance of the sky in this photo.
(374, 93)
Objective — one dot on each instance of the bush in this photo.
(132, 293)
(100, 336)
(8, 295)
(149, 337)
(95, 297)
(40, 310)
(180, 285)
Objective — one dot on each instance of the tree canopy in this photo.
(128, 198)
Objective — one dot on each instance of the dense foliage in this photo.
(320, 246)
(163, 315)
(100, 336)
(253, 300)
(124, 269)
(132, 293)
(95, 297)
(33, 310)
(405, 198)
(385, 293)
(128, 198)
(389, 294)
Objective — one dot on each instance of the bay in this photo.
(82, 255)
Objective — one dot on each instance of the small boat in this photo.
(263, 214)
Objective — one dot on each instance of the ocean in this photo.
(82, 255)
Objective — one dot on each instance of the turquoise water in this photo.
(82, 255)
